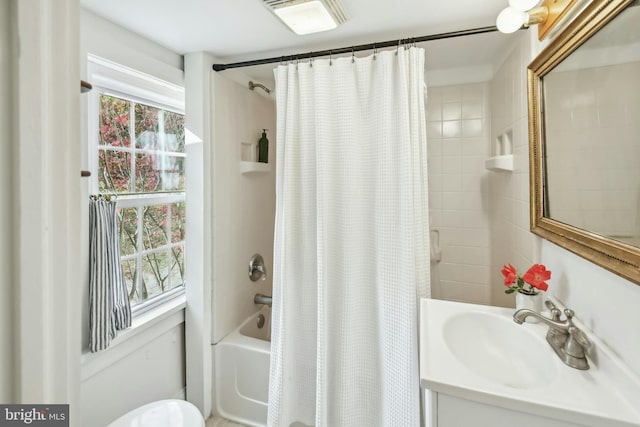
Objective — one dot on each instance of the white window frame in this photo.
(109, 78)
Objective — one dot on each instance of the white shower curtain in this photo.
(351, 241)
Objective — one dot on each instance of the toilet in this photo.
(163, 413)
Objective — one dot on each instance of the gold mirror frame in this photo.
(617, 257)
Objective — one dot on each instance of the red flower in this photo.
(536, 276)
(509, 273)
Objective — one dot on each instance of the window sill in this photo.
(144, 328)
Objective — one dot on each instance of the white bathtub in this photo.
(242, 372)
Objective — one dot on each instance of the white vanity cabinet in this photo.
(442, 410)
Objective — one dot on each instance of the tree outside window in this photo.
(141, 154)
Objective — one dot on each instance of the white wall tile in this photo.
(452, 93)
(434, 129)
(452, 148)
(454, 254)
(470, 182)
(451, 182)
(473, 165)
(435, 201)
(476, 256)
(451, 164)
(435, 183)
(451, 111)
(452, 218)
(472, 128)
(450, 271)
(472, 92)
(465, 292)
(472, 109)
(434, 163)
(475, 147)
(451, 129)
(457, 193)
(476, 274)
(434, 111)
(452, 200)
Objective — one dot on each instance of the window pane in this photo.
(153, 162)
(174, 130)
(114, 121)
(147, 174)
(128, 229)
(172, 172)
(154, 226)
(114, 171)
(155, 273)
(130, 277)
(146, 127)
(177, 222)
(177, 266)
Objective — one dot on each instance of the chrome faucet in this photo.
(565, 338)
(262, 299)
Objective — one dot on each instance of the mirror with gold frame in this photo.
(584, 134)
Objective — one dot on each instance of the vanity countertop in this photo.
(608, 394)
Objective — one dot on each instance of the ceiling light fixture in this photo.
(308, 16)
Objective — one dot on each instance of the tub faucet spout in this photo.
(262, 299)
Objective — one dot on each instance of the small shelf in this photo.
(500, 163)
(254, 167)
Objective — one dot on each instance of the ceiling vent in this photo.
(308, 16)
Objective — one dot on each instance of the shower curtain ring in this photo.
(311, 60)
(353, 55)
(375, 51)
(330, 58)
(398, 48)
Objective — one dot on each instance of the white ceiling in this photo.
(236, 30)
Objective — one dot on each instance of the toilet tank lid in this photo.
(162, 413)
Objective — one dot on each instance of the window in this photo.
(139, 155)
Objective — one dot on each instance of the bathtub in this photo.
(242, 371)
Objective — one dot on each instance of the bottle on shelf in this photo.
(263, 148)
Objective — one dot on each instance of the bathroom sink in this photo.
(499, 350)
(477, 353)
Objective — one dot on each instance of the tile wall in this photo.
(510, 239)
(243, 203)
(458, 126)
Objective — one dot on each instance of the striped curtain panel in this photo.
(109, 310)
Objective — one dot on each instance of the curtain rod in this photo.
(369, 46)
